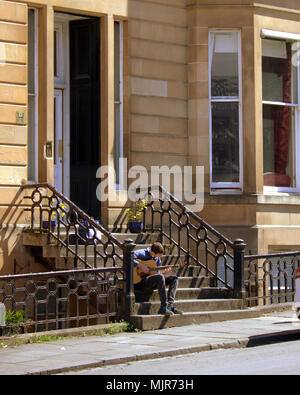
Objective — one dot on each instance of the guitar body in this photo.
(152, 266)
(138, 274)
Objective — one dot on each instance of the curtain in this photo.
(282, 118)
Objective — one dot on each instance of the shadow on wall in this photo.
(14, 257)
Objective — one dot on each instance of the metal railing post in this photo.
(128, 266)
(238, 263)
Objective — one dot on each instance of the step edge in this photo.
(192, 313)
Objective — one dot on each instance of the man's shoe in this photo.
(175, 310)
(165, 311)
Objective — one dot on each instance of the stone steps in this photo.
(197, 296)
(67, 260)
(190, 305)
(158, 321)
(82, 250)
(188, 294)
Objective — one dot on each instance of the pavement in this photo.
(83, 351)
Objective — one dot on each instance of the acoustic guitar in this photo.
(152, 266)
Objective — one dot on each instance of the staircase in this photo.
(205, 291)
(197, 296)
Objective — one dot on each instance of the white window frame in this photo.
(60, 78)
(35, 95)
(121, 184)
(226, 187)
(265, 33)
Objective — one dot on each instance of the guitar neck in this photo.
(162, 267)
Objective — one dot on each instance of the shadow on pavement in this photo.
(278, 337)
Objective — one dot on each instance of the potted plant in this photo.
(135, 216)
(53, 218)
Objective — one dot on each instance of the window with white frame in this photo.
(280, 102)
(59, 54)
(225, 111)
(118, 102)
(32, 171)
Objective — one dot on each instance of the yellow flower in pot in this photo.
(135, 216)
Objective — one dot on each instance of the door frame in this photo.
(58, 136)
(62, 82)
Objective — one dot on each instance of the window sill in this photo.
(280, 191)
(226, 192)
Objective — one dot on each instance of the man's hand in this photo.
(143, 268)
(167, 270)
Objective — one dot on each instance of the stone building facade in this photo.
(159, 82)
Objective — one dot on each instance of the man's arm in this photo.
(165, 271)
(140, 254)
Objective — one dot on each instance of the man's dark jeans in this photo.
(158, 281)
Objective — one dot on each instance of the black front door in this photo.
(85, 113)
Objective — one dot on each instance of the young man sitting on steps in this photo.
(149, 282)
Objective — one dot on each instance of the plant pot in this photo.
(45, 225)
(135, 227)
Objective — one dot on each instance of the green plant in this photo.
(130, 327)
(135, 213)
(13, 317)
(106, 330)
(45, 338)
(61, 211)
(14, 320)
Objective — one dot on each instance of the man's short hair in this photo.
(157, 248)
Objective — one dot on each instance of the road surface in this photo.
(273, 359)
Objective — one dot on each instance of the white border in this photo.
(266, 33)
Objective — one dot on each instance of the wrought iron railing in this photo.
(258, 279)
(78, 235)
(270, 278)
(63, 299)
(190, 236)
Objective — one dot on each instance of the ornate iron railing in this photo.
(78, 235)
(63, 299)
(190, 236)
(258, 279)
(270, 278)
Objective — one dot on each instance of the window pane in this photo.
(117, 145)
(278, 129)
(117, 99)
(225, 142)
(279, 74)
(224, 64)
